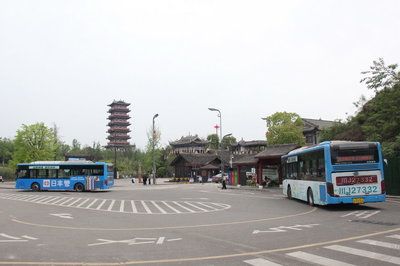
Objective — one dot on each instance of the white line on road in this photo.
(145, 207)
(64, 202)
(364, 253)
(29, 237)
(75, 201)
(195, 206)
(307, 257)
(43, 199)
(57, 201)
(379, 244)
(183, 207)
(101, 204)
(207, 206)
(91, 204)
(10, 237)
(158, 207)
(261, 262)
(394, 236)
(50, 200)
(83, 202)
(134, 210)
(111, 205)
(369, 215)
(160, 240)
(169, 206)
(121, 208)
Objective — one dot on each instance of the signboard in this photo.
(292, 159)
(44, 167)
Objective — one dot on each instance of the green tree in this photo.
(381, 76)
(6, 150)
(213, 141)
(34, 143)
(227, 141)
(284, 128)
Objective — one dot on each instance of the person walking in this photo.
(224, 182)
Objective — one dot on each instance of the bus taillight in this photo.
(329, 188)
(383, 189)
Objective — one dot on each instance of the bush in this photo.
(7, 173)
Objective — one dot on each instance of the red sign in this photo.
(355, 158)
(352, 180)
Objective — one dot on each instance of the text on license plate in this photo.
(357, 190)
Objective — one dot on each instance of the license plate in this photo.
(358, 200)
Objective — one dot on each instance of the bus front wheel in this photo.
(310, 197)
(79, 187)
(289, 192)
(35, 187)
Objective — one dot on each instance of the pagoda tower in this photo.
(118, 126)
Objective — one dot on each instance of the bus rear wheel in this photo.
(35, 187)
(310, 197)
(289, 192)
(79, 187)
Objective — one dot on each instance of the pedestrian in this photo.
(144, 180)
(224, 182)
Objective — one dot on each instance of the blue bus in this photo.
(66, 175)
(335, 172)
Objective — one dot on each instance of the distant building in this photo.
(118, 126)
(248, 147)
(312, 127)
(189, 144)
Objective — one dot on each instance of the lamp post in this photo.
(220, 138)
(154, 159)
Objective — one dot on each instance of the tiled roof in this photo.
(188, 140)
(274, 151)
(251, 143)
(195, 158)
(310, 124)
(245, 159)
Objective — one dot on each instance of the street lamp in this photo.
(154, 159)
(220, 137)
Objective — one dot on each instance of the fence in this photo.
(392, 176)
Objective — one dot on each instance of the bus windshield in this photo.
(354, 153)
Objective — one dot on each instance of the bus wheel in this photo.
(289, 192)
(310, 197)
(35, 187)
(79, 187)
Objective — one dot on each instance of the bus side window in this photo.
(41, 173)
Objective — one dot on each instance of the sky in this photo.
(63, 62)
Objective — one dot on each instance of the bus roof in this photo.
(77, 162)
(343, 143)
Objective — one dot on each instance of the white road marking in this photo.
(57, 201)
(91, 204)
(50, 200)
(62, 215)
(379, 244)
(394, 236)
(75, 201)
(121, 208)
(43, 199)
(101, 204)
(36, 199)
(134, 210)
(361, 214)
(10, 237)
(364, 253)
(83, 202)
(207, 206)
(297, 227)
(158, 207)
(183, 207)
(111, 205)
(314, 259)
(169, 206)
(160, 240)
(145, 207)
(64, 202)
(261, 262)
(29, 237)
(369, 215)
(195, 206)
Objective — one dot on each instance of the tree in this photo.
(381, 76)
(213, 141)
(227, 141)
(34, 143)
(284, 128)
(6, 150)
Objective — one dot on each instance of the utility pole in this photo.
(153, 147)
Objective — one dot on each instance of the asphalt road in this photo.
(192, 224)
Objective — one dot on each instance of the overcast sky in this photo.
(62, 62)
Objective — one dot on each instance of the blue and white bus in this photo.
(335, 172)
(65, 175)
